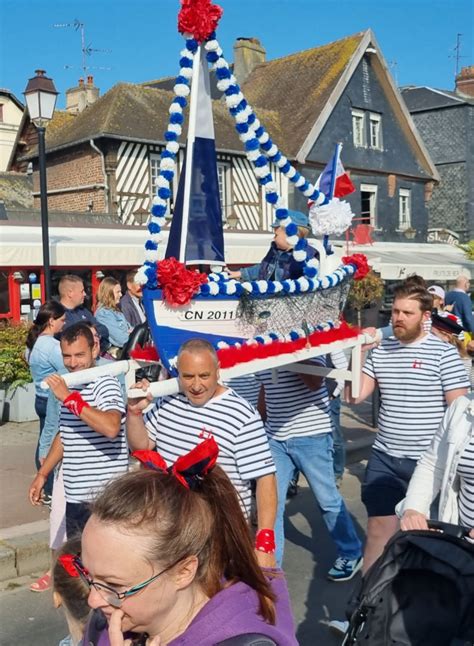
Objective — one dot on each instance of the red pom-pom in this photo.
(178, 284)
(199, 18)
(359, 260)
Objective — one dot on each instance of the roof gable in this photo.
(299, 87)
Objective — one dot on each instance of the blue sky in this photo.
(419, 35)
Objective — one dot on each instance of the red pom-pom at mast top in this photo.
(199, 18)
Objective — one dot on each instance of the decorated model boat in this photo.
(250, 319)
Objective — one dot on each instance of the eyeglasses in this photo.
(108, 594)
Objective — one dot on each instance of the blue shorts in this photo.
(385, 483)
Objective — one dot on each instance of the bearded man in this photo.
(418, 376)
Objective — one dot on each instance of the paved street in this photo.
(28, 618)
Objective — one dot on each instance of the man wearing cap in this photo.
(279, 263)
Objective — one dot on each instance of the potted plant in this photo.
(15, 376)
(364, 297)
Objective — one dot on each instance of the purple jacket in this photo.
(233, 612)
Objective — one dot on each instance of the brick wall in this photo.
(72, 169)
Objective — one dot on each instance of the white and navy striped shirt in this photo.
(293, 410)
(90, 459)
(175, 426)
(246, 386)
(465, 471)
(413, 379)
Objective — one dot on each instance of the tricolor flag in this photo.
(334, 181)
(196, 233)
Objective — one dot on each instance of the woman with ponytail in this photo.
(169, 560)
(45, 356)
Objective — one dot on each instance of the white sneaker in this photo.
(339, 627)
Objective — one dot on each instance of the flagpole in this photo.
(190, 152)
(332, 188)
(337, 155)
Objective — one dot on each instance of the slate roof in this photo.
(421, 98)
(298, 87)
(138, 113)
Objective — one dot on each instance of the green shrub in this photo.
(365, 292)
(14, 370)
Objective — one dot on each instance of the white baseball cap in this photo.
(438, 291)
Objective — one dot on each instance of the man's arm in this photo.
(106, 423)
(452, 395)
(137, 434)
(367, 387)
(266, 498)
(55, 455)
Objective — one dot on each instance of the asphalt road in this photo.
(28, 619)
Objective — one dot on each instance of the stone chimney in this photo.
(465, 82)
(248, 53)
(80, 97)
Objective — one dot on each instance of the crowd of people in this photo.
(161, 491)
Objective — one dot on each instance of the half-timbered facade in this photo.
(106, 158)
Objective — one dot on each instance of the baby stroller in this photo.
(420, 592)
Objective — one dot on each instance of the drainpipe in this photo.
(106, 181)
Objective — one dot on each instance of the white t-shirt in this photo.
(413, 379)
(91, 459)
(293, 410)
(176, 427)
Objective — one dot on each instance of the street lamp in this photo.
(40, 95)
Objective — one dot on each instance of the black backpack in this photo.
(420, 592)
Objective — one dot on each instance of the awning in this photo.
(21, 246)
(397, 260)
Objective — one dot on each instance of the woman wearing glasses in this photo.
(170, 560)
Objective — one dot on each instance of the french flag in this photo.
(196, 233)
(334, 181)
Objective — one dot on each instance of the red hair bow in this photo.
(189, 469)
(68, 561)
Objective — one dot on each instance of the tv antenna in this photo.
(457, 54)
(393, 65)
(86, 50)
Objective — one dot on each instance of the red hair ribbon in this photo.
(189, 469)
(68, 561)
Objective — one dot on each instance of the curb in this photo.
(24, 549)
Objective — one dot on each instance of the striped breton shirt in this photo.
(175, 426)
(90, 459)
(465, 471)
(293, 410)
(246, 386)
(413, 379)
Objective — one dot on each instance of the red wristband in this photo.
(75, 403)
(265, 541)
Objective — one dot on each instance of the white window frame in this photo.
(404, 209)
(375, 128)
(373, 189)
(358, 116)
(224, 174)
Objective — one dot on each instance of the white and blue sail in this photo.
(196, 234)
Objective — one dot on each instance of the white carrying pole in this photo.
(113, 369)
(190, 152)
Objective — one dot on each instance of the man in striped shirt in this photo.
(300, 432)
(177, 423)
(418, 376)
(91, 440)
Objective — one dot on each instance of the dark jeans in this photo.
(77, 515)
(40, 409)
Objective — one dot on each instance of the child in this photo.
(70, 592)
(279, 263)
